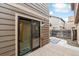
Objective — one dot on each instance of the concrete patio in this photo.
(59, 49)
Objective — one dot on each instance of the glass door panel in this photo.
(36, 34)
(25, 36)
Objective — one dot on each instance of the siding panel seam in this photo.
(7, 14)
(7, 35)
(7, 40)
(7, 19)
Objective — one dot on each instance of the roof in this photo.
(59, 18)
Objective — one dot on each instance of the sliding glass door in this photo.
(28, 34)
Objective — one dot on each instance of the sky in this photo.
(62, 10)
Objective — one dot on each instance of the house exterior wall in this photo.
(56, 23)
(8, 24)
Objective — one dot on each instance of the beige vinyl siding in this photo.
(6, 16)
(4, 10)
(7, 25)
(7, 6)
(39, 8)
(9, 53)
(7, 31)
(3, 21)
(2, 51)
(45, 34)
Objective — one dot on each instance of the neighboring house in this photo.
(56, 23)
(23, 27)
(56, 26)
(75, 8)
(70, 23)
